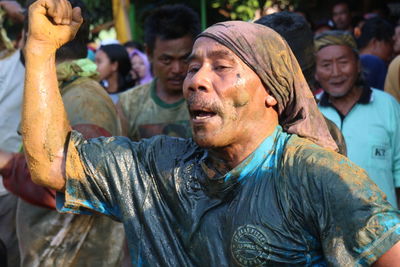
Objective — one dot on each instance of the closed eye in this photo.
(221, 67)
(193, 69)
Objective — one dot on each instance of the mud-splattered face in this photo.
(226, 99)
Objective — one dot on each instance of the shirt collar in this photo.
(365, 98)
(159, 101)
(259, 164)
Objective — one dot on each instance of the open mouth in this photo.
(201, 114)
(337, 83)
(176, 80)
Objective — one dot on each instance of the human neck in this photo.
(365, 50)
(233, 154)
(345, 103)
(349, 29)
(369, 50)
(112, 83)
(168, 96)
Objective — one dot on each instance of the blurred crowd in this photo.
(351, 64)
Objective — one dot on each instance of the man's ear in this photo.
(316, 76)
(374, 44)
(270, 101)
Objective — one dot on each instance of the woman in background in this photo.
(114, 66)
(140, 66)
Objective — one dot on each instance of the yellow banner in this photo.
(121, 20)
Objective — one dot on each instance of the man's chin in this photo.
(175, 86)
(336, 95)
(338, 92)
(203, 141)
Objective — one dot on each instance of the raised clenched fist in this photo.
(53, 23)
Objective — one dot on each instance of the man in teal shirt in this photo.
(368, 118)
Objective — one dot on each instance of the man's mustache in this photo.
(196, 102)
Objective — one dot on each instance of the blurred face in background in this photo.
(169, 62)
(104, 65)
(384, 49)
(396, 40)
(138, 66)
(341, 16)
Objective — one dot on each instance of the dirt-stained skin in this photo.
(227, 101)
(44, 122)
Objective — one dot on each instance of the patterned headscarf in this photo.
(328, 38)
(270, 57)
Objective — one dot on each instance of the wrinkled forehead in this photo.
(205, 47)
(248, 41)
(336, 52)
(238, 35)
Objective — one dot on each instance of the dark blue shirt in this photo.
(289, 203)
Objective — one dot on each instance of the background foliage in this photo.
(248, 9)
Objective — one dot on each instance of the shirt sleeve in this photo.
(101, 174)
(350, 215)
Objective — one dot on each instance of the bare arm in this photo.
(391, 258)
(44, 121)
(5, 157)
(17, 179)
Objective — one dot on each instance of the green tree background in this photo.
(216, 10)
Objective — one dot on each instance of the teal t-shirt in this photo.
(289, 203)
(372, 134)
(147, 115)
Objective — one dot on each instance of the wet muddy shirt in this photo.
(148, 115)
(290, 202)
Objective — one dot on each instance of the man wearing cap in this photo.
(368, 118)
(246, 191)
(296, 31)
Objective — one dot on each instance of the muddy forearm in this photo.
(44, 123)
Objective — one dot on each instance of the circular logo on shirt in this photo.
(249, 246)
